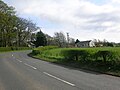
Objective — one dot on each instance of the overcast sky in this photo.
(83, 19)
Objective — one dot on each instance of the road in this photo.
(20, 72)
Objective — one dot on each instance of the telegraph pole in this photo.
(68, 39)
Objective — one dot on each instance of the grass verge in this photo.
(6, 49)
(104, 60)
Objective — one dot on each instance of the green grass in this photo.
(103, 59)
(6, 49)
(57, 53)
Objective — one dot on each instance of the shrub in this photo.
(68, 54)
(105, 55)
(72, 54)
(83, 54)
(35, 52)
(40, 50)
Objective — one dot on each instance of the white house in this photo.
(88, 43)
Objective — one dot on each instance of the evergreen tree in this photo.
(77, 41)
(40, 39)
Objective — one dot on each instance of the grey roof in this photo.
(85, 41)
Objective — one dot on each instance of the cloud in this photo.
(115, 1)
(82, 18)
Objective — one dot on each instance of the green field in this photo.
(104, 59)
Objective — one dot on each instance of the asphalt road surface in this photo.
(20, 72)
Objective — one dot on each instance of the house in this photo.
(88, 43)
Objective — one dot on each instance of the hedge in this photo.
(39, 50)
(84, 55)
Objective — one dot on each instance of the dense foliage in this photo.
(40, 39)
(14, 31)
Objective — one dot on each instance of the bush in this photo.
(72, 54)
(40, 50)
(35, 52)
(104, 55)
(68, 54)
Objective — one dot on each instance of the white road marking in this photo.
(59, 79)
(30, 66)
(12, 55)
(19, 60)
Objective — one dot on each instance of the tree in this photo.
(40, 39)
(77, 41)
(14, 31)
(50, 40)
(60, 39)
(33, 37)
(72, 42)
(7, 17)
(4, 8)
(24, 30)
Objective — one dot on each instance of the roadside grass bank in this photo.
(6, 49)
(104, 59)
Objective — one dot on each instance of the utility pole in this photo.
(68, 39)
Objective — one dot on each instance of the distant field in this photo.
(103, 59)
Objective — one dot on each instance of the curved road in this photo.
(20, 72)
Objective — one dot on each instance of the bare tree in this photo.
(72, 42)
(60, 39)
